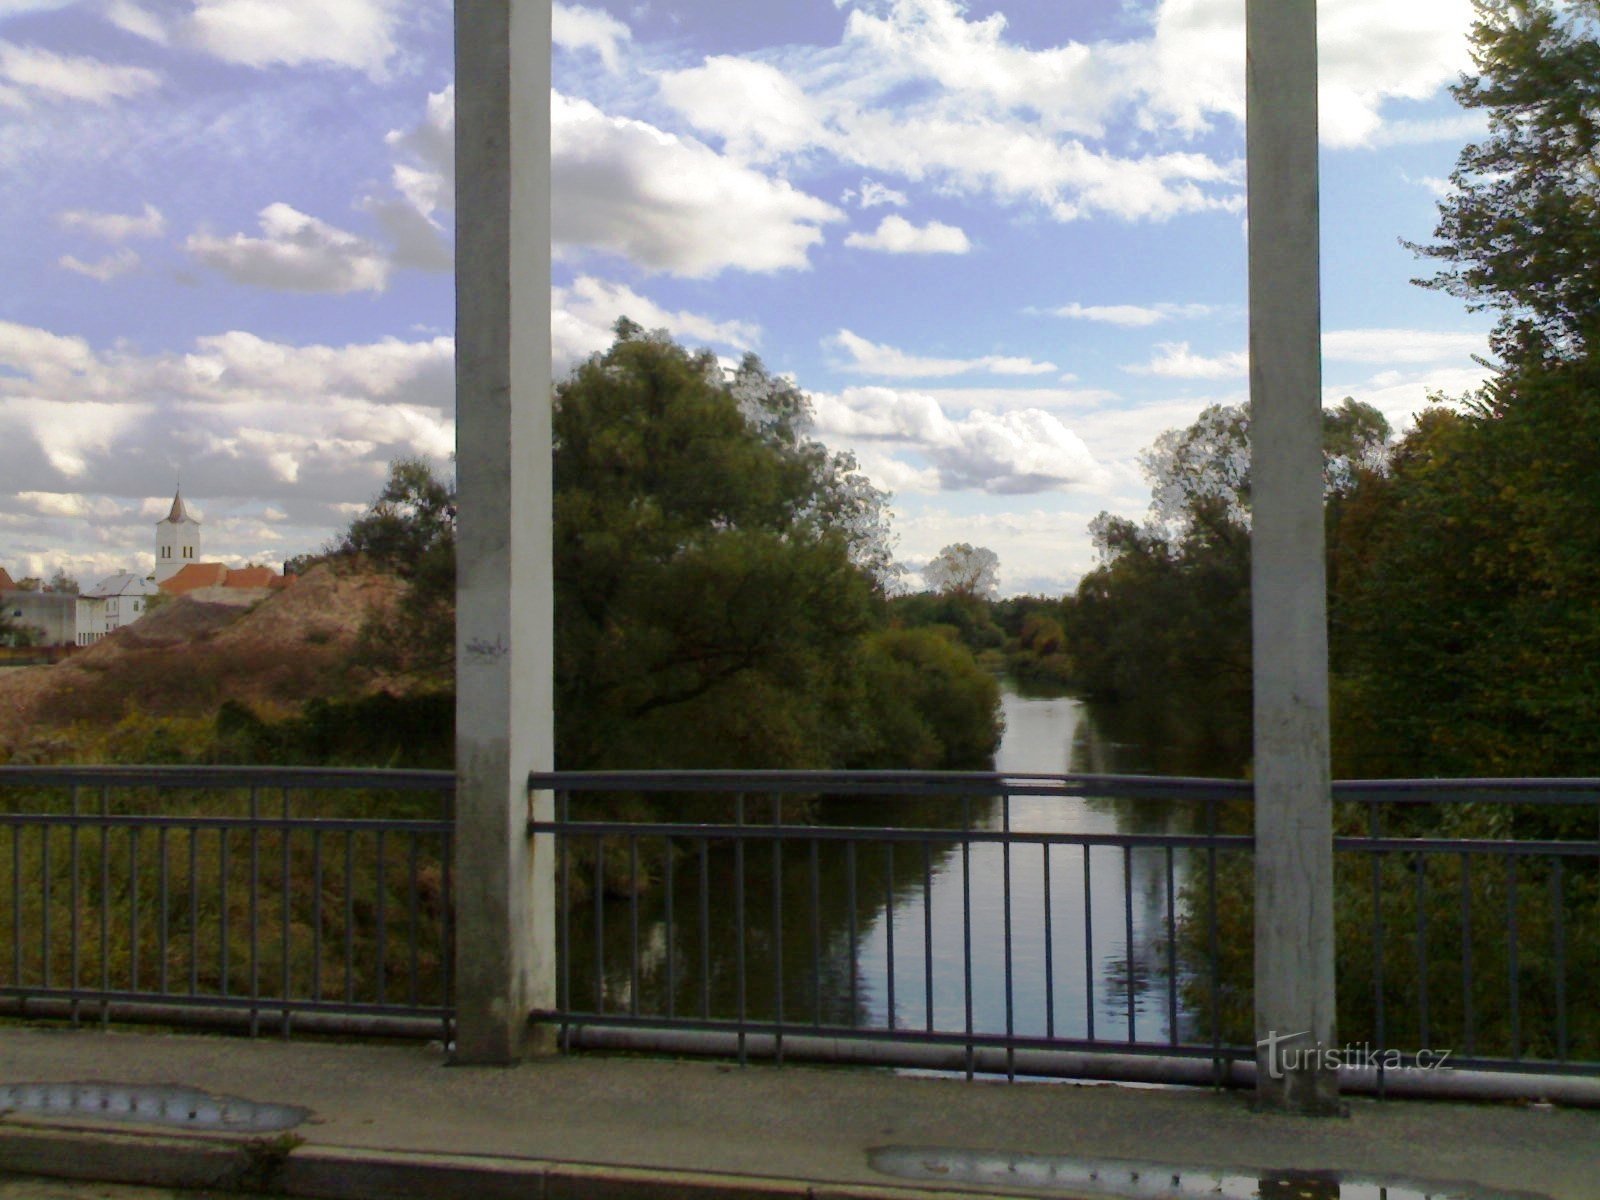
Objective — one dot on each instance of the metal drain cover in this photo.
(1119, 1177)
(148, 1104)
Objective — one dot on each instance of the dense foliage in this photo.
(719, 582)
(1519, 231)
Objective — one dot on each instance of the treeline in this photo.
(1464, 558)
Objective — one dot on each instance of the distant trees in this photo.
(961, 569)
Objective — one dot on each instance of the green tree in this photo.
(716, 572)
(711, 575)
(410, 529)
(1520, 230)
(1164, 620)
(1465, 633)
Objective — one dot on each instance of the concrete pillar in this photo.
(504, 884)
(1294, 996)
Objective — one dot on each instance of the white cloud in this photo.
(297, 253)
(1400, 394)
(576, 28)
(872, 194)
(358, 34)
(141, 22)
(1042, 550)
(1174, 360)
(928, 92)
(896, 235)
(757, 110)
(670, 203)
(1458, 128)
(1394, 347)
(872, 358)
(1401, 346)
(1005, 453)
(1371, 51)
(429, 181)
(105, 270)
(115, 227)
(1436, 185)
(239, 415)
(36, 73)
(582, 317)
(1131, 316)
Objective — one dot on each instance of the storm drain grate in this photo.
(149, 1104)
(1119, 1177)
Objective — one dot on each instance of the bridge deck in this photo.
(393, 1120)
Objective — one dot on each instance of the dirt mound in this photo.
(183, 620)
(189, 657)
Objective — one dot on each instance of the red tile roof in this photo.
(6, 583)
(195, 575)
(250, 577)
(202, 575)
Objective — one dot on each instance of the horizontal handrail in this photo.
(309, 778)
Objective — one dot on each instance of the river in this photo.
(869, 934)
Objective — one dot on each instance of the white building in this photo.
(110, 604)
(177, 540)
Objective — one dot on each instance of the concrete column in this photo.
(1294, 996)
(504, 889)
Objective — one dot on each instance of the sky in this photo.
(1000, 243)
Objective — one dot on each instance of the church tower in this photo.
(177, 540)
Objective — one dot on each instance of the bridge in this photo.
(938, 923)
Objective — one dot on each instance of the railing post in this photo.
(1294, 968)
(505, 901)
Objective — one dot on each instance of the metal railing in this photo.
(316, 899)
(1060, 925)
(974, 922)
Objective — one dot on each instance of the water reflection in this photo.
(871, 933)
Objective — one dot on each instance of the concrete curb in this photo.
(279, 1167)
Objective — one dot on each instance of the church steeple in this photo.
(177, 540)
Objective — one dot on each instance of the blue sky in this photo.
(1001, 243)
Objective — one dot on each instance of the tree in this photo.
(1464, 633)
(970, 572)
(410, 529)
(711, 565)
(1164, 621)
(716, 574)
(1520, 231)
(14, 634)
(62, 583)
(1202, 473)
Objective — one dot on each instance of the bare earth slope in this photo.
(189, 656)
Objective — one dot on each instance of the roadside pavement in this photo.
(394, 1120)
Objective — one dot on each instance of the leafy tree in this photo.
(411, 520)
(1465, 635)
(961, 569)
(1165, 619)
(1520, 231)
(15, 634)
(62, 583)
(410, 529)
(710, 565)
(716, 572)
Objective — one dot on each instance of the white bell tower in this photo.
(177, 540)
